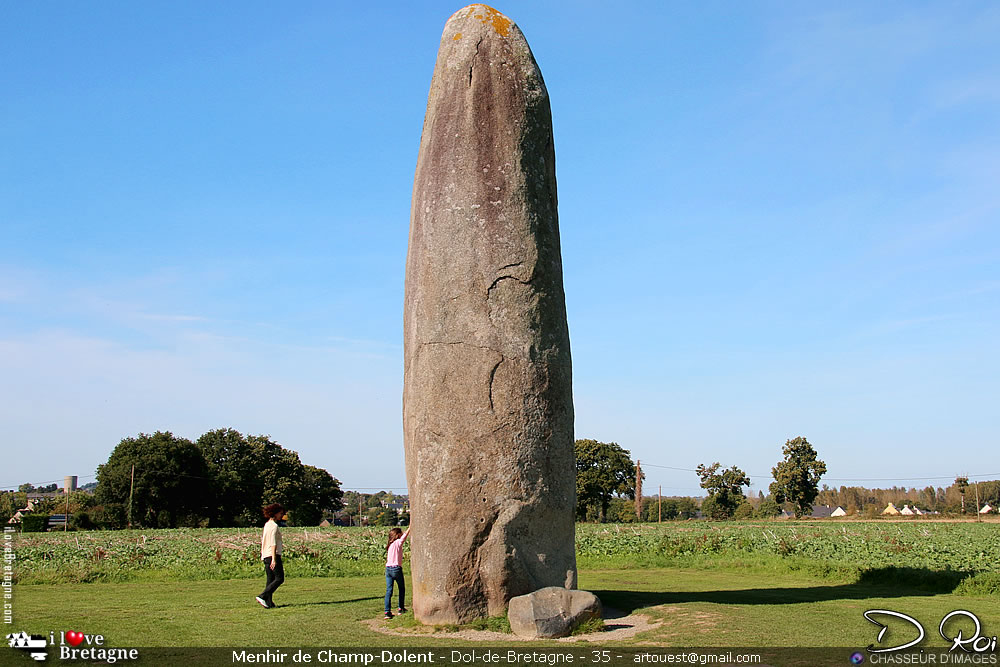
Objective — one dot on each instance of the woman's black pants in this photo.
(275, 578)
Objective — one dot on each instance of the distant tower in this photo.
(69, 483)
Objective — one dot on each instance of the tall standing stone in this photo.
(487, 396)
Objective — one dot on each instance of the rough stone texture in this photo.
(487, 397)
(552, 612)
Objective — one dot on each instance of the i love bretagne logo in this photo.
(72, 645)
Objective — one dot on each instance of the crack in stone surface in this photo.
(489, 290)
(493, 374)
(461, 342)
(510, 266)
(473, 63)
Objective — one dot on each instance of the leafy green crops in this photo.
(192, 553)
(960, 546)
(839, 549)
(943, 557)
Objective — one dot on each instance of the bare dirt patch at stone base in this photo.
(617, 626)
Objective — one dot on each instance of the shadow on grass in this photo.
(888, 582)
(306, 604)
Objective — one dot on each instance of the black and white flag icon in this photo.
(33, 643)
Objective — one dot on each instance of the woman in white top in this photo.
(270, 553)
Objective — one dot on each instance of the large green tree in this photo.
(725, 489)
(172, 483)
(603, 469)
(321, 495)
(236, 471)
(250, 471)
(796, 478)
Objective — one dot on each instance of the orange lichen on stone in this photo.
(499, 22)
(457, 37)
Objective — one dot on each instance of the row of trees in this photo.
(31, 488)
(654, 508)
(222, 479)
(958, 498)
(796, 482)
(605, 470)
(606, 481)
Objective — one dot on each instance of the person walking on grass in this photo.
(394, 569)
(270, 553)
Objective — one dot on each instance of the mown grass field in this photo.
(710, 584)
(699, 608)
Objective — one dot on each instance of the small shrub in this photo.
(984, 583)
(34, 523)
(768, 509)
(110, 516)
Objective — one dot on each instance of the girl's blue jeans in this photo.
(394, 574)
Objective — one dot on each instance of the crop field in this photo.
(965, 551)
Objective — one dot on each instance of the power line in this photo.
(653, 465)
(379, 488)
(51, 481)
(850, 479)
(980, 477)
(147, 471)
(906, 479)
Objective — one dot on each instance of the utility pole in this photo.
(979, 516)
(638, 490)
(66, 523)
(131, 490)
(659, 505)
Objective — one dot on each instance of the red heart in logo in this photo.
(74, 638)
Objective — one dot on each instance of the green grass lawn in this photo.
(733, 608)
(698, 607)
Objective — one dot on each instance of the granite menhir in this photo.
(487, 389)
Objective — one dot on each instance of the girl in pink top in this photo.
(394, 569)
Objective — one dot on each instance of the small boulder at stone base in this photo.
(551, 612)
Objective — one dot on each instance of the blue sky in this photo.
(777, 219)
